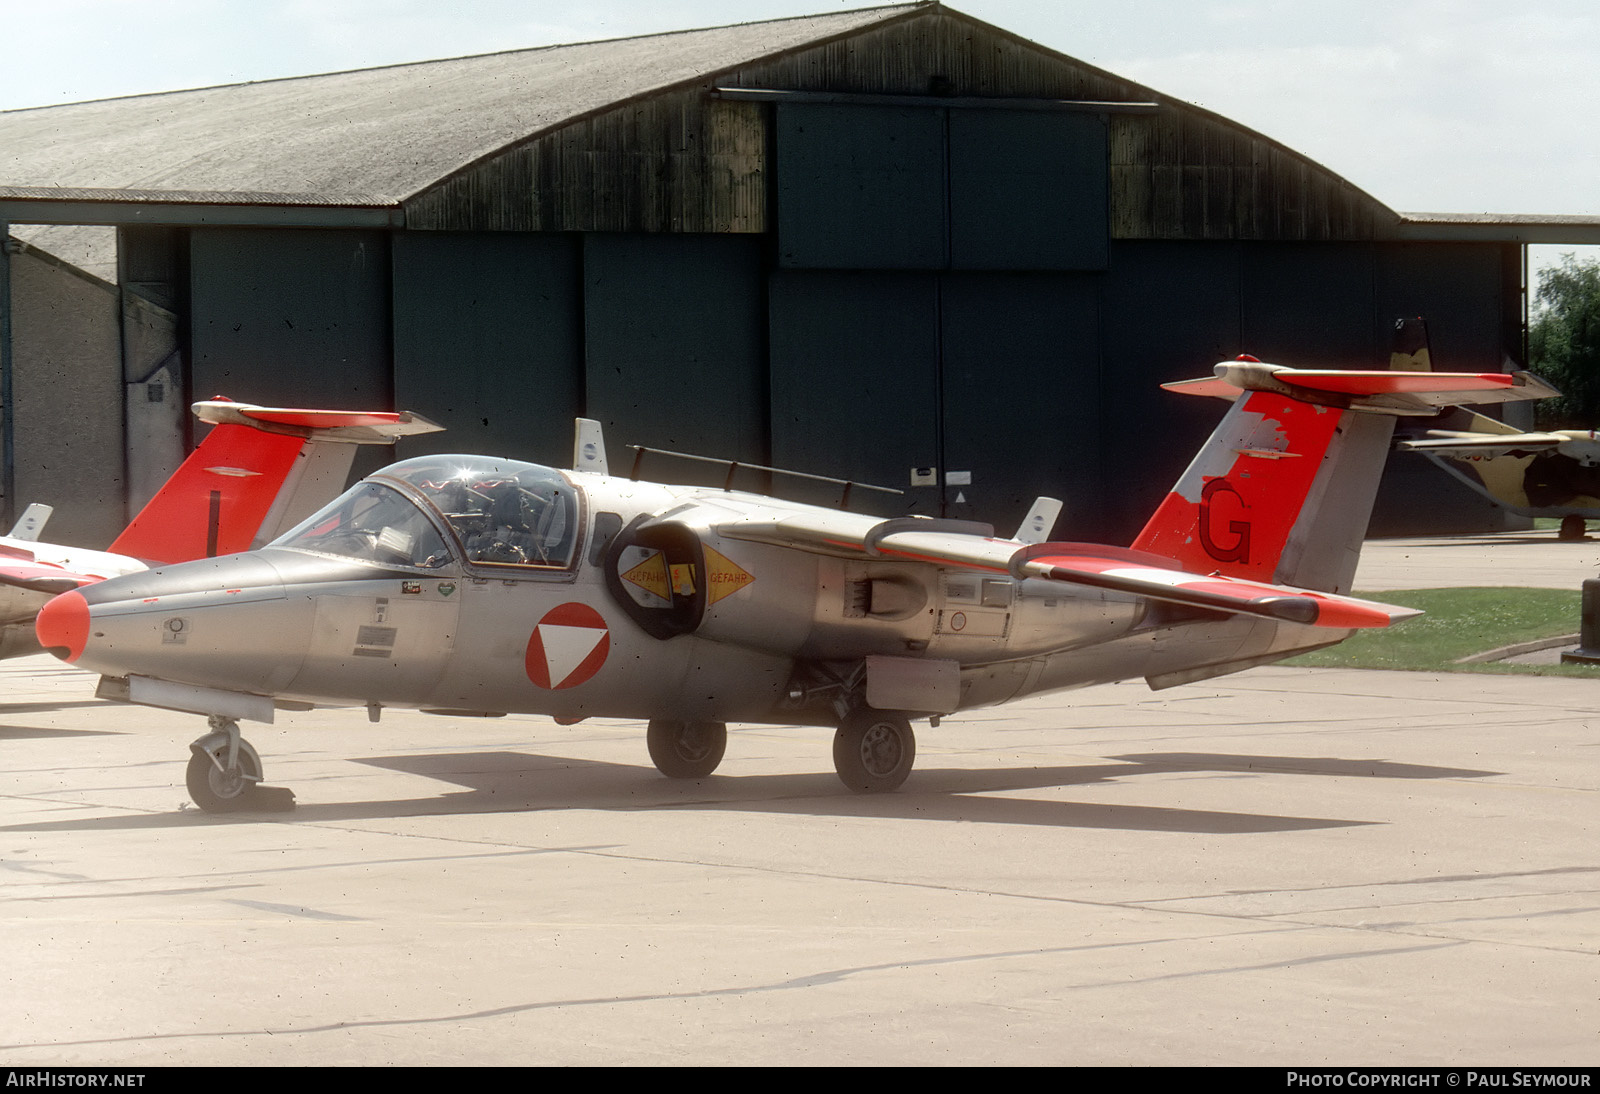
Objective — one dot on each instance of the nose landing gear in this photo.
(224, 773)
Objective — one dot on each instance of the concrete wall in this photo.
(67, 384)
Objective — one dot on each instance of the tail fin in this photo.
(1408, 350)
(259, 472)
(1409, 353)
(1282, 490)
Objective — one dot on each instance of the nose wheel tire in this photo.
(687, 750)
(223, 791)
(874, 750)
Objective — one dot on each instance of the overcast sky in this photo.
(1429, 105)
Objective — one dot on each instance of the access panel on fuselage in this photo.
(389, 642)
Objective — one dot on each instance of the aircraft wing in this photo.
(42, 577)
(1149, 576)
(973, 546)
(1482, 445)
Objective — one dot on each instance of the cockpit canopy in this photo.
(500, 513)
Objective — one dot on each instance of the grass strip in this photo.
(1459, 623)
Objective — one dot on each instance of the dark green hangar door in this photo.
(291, 317)
(934, 311)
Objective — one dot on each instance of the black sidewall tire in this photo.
(686, 750)
(874, 750)
(198, 778)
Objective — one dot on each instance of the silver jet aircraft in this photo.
(471, 585)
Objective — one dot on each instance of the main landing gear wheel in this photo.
(1572, 529)
(874, 750)
(218, 788)
(687, 750)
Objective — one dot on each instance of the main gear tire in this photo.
(686, 750)
(873, 751)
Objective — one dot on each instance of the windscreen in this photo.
(504, 513)
(373, 523)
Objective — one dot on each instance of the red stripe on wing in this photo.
(319, 419)
(1354, 382)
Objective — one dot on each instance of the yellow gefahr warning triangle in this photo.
(724, 577)
(651, 576)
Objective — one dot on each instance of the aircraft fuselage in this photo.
(615, 598)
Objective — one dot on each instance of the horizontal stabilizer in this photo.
(49, 569)
(1384, 392)
(42, 577)
(1400, 383)
(348, 426)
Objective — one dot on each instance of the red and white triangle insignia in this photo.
(567, 647)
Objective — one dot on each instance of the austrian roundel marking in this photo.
(567, 646)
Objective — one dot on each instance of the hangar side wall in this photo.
(67, 390)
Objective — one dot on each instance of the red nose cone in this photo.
(63, 626)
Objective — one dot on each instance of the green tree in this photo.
(1564, 343)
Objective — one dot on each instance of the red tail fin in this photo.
(1233, 510)
(1282, 490)
(260, 470)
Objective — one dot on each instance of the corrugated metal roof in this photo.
(193, 197)
(373, 136)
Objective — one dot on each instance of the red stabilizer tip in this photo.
(63, 626)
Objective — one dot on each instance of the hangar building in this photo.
(897, 245)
